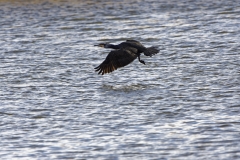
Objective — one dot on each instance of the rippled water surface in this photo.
(183, 104)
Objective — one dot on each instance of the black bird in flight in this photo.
(124, 54)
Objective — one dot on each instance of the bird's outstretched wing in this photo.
(135, 43)
(147, 51)
(116, 59)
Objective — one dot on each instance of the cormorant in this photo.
(124, 54)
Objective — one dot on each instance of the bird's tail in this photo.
(151, 51)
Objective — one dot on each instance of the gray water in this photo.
(183, 104)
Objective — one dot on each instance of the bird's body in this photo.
(124, 54)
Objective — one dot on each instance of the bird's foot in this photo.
(142, 62)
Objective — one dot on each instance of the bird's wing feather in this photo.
(131, 40)
(147, 51)
(116, 59)
(135, 44)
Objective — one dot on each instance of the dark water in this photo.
(184, 104)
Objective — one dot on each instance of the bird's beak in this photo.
(99, 45)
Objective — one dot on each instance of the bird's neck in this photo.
(113, 46)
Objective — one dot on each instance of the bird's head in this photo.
(103, 45)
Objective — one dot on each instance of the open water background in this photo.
(183, 104)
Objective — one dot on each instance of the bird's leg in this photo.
(140, 60)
